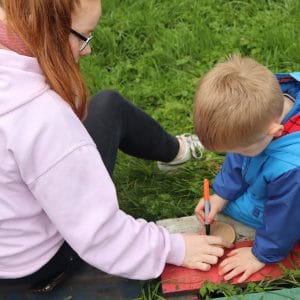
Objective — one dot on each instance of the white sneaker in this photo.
(193, 148)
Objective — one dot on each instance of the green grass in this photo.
(155, 51)
(289, 279)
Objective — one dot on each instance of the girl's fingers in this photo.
(218, 241)
(210, 259)
(202, 266)
(199, 212)
(211, 217)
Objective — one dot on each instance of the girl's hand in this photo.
(202, 251)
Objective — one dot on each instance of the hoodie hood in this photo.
(21, 80)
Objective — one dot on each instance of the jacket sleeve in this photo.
(79, 197)
(280, 231)
(229, 183)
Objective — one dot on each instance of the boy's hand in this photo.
(240, 261)
(202, 251)
(216, 205)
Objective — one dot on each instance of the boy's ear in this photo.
(275, 129)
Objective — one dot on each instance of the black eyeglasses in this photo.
(85, 39)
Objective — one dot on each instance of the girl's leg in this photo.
(114, 123)
(64, 264)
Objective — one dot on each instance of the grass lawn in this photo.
(155, 51)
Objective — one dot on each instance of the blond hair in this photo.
(235, 102)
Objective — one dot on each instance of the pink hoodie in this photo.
(54, 187)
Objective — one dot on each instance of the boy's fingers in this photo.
(199, 211)
(232, 253)
(211, 217)
(200, 206)
(200, 215)
(200, 219)
(244, 277)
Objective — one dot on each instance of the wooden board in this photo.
(191, 224)
(178, 279)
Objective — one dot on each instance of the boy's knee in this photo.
(244, 212)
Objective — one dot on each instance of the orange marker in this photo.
(206, 205)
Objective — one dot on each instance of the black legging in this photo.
(113, 123)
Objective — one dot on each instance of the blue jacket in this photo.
(264, 191)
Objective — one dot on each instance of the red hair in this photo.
(44, 26)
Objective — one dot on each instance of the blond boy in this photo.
(241, 108)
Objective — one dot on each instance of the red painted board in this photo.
(179, 279)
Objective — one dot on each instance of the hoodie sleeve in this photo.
(229, 183)
(80, 199)
(280, 231)
(60, 164)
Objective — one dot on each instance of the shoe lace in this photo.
(194, 145)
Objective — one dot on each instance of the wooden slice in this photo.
(221, 229)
